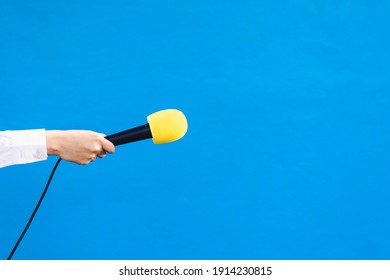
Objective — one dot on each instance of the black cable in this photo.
(35, 210)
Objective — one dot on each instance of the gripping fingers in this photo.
(108, 146)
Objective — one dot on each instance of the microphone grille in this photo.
(167, 125)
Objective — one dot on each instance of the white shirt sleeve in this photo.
(22, 146)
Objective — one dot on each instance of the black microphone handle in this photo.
(131, 135)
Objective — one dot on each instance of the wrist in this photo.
(53, 142)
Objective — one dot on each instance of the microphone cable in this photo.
(35, 210)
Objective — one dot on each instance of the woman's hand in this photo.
(78, 146)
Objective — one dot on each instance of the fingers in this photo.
(103, 147)
(108, 146)
(102, 154)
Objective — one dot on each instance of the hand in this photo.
(78, 146)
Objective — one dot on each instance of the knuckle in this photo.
(83, 162)
(96, 148)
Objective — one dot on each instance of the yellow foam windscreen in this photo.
(167, 126)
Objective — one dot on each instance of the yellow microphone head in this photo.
(167, 126)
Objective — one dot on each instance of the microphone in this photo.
(163, 127)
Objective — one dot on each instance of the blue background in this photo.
(287, 153)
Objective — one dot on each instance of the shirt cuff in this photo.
(27, 145)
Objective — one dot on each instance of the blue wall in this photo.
(287, 154)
